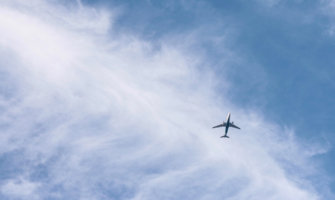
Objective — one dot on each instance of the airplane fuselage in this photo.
(227, 124)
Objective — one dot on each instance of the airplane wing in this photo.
(218, 126)
(234, 126)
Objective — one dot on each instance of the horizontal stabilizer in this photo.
(226, 136)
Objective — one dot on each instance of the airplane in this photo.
(227, 124)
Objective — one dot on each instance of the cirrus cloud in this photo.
(89, 115)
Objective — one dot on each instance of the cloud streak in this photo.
(89, 115)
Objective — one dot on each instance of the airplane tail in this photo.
(226, 136)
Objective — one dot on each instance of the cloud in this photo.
(91, 115)
(19, 189)
(327, 8)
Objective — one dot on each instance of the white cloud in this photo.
(104, 117)
(327, 8)
(20, 189)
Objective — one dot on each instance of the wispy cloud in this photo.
(326, 8)
(91, 115)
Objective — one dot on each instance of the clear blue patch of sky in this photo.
(289, 66)
(10, 165)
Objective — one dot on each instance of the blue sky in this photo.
(116, 99)
(286, 48)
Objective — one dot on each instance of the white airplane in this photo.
(227, 124)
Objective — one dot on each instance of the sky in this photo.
(115, 99)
